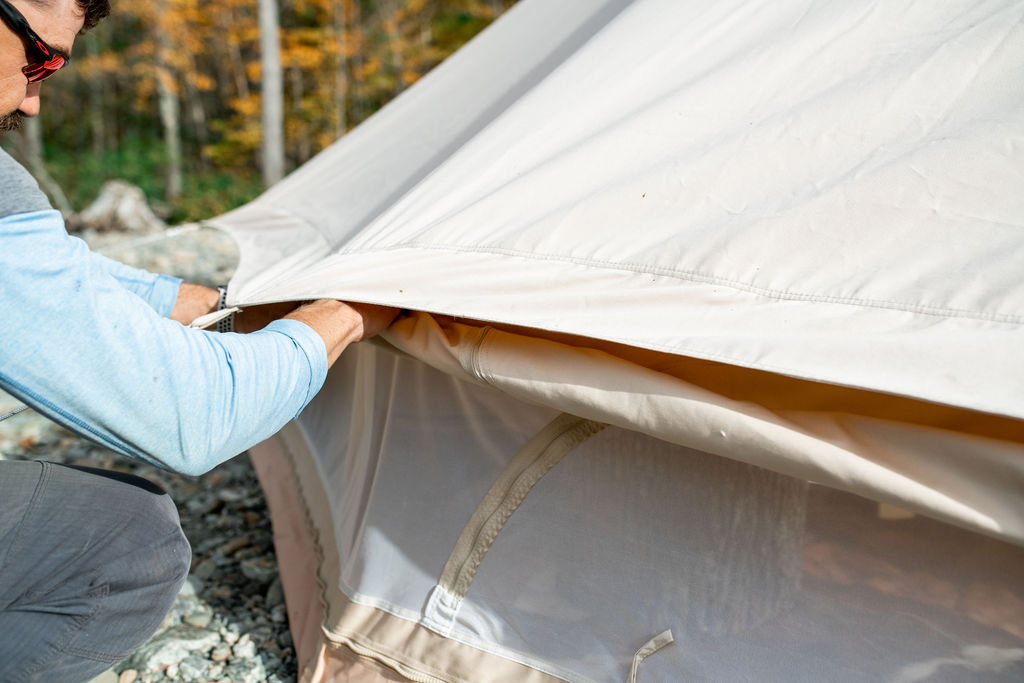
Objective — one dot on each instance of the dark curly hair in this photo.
(94, 11)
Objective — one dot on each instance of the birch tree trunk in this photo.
(272, 93)
(342, 21)
(167, 95)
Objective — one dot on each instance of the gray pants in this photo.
(90, 562)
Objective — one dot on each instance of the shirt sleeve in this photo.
(159, 291)
(90, 354)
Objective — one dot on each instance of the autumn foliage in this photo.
(160, 73)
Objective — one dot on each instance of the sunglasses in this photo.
(51, 59)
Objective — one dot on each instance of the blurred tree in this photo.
(271, 93)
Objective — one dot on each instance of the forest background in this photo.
(203, 105)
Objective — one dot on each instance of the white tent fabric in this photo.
(787, 233)
(829, 190)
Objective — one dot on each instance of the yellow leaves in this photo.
(201, 82)
(247, 107)
(97, 66)
(367, 69)
(165, 79)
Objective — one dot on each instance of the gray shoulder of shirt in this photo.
(19, 191)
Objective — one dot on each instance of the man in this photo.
(90, 561)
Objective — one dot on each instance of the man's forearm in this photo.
(338, 323)
(193, 301)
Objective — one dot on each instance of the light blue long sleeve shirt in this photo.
(86, 341)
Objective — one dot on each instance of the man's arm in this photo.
(337, 323)
(85, 351)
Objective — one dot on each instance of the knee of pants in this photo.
(95, 565)
(163, 562)
(152, 535)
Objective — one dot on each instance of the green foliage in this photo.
(141, 161)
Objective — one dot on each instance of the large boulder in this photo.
(120, 207)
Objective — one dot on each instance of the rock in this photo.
(128, 676)
(229, 634)
(233, 545)
(206, 569)
(200, 617)
(121, 206)
(250, 671)
(192, 587)
(263, 570)
(275, 594)
(221, 653)
(172, 646)
(231, 495)
(193, 669)
(244, 648)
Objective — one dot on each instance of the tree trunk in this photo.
(97, 90)
(32, 152)
(342, 21)
(167, 94)
(197, 112)
(394, 37)
(234, 55)
(272, 93)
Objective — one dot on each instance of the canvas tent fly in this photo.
(712, 369)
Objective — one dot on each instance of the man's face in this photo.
(57, 22)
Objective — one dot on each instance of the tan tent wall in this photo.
(960, 466)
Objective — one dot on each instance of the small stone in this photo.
(229, 634)
(193, 669)
(233, 545)
(200, 618)
(222, 592)
(172, 646)
(250, 671)
(244, 648)
(230, 495)
(206, 569)
(128, 676)
(285, 640)
(221, 653)
(192, 586)
(275, 594)
(260, 569)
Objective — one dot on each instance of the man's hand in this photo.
(340, 324)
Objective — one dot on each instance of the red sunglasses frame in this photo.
(53, 60)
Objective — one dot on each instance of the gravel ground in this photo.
(229, 622)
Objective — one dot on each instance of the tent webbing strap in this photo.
(533, 461)
(649, 648)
